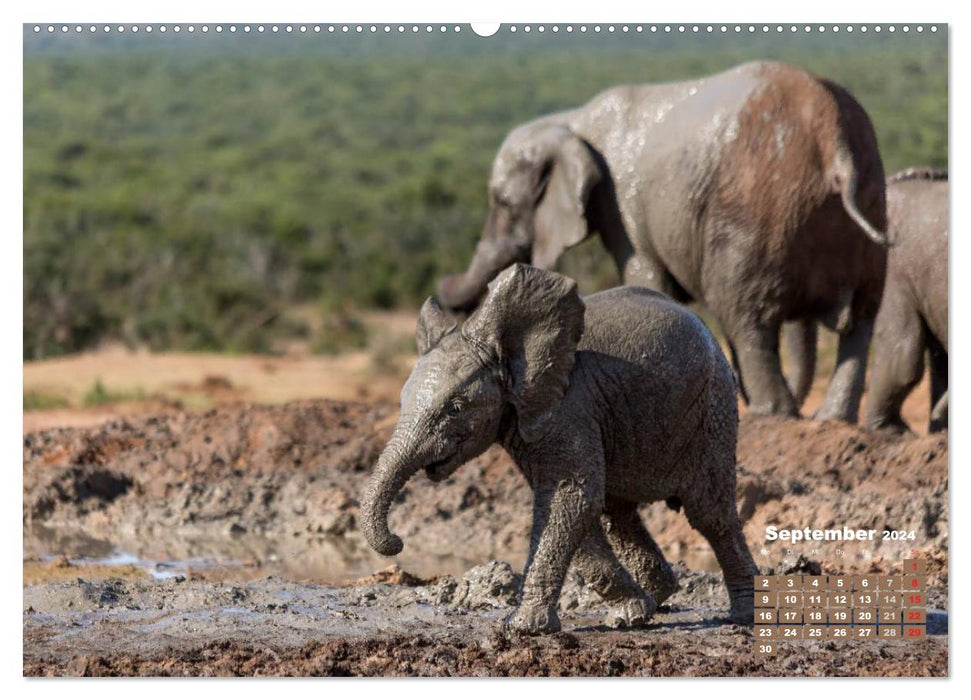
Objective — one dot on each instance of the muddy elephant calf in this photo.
(912, 319)
(604, 403)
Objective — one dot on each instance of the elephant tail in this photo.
(847, 178)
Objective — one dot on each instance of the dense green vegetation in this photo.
(187, 193)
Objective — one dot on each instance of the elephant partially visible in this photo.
(758, 191)
(603, 403)
(913, 315)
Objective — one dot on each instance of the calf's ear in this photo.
(433, 323)
(531, 321)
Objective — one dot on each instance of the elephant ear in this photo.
(530, 323)
(566, 178)
(433, 324)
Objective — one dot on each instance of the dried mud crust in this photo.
(447, 627)
(296, 471)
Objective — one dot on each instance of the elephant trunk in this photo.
(394, 469)
(493, 254)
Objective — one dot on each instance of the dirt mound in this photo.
(393, 575)
(296, 471)
(800, 473)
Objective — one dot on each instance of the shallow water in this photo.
(328, 560)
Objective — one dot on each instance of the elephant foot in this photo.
(534, 620)
(836, 409)
(632, 612)
(890, 426)
(663, 585)
(824, 414)
(743, 609)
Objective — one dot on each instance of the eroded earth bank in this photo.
(225, 542)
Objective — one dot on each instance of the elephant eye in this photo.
(454, 407)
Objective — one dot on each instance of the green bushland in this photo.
(188, 193)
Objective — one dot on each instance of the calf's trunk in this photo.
(392, 472)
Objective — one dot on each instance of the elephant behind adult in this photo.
(913, 315)
(758, 191)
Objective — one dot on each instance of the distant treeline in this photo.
(189, 195)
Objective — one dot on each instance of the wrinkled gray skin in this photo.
(758, 191)
(913, 314)
(604, 403)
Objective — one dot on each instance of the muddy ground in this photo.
(221, 542)
(448, 627)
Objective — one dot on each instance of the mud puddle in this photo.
(327, 560)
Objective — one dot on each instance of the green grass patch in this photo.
(40, 401)
(100, 395)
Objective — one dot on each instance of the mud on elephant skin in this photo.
(758, 191)
(913, 314)
(603, 403)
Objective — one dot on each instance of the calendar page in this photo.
(423, 348)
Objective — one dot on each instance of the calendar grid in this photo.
(793, 607)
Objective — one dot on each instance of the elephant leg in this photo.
(898, 361)
(762, 380)
(842, 400)
(719, 524)
(635, 547)
(938, 363)
(563, 515)
(630, 605)
(800, 339)
(737, 372)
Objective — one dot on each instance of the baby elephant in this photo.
(604, 403)
(913, 313)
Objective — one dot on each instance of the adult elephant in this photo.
(913, 314)
(758, 191)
